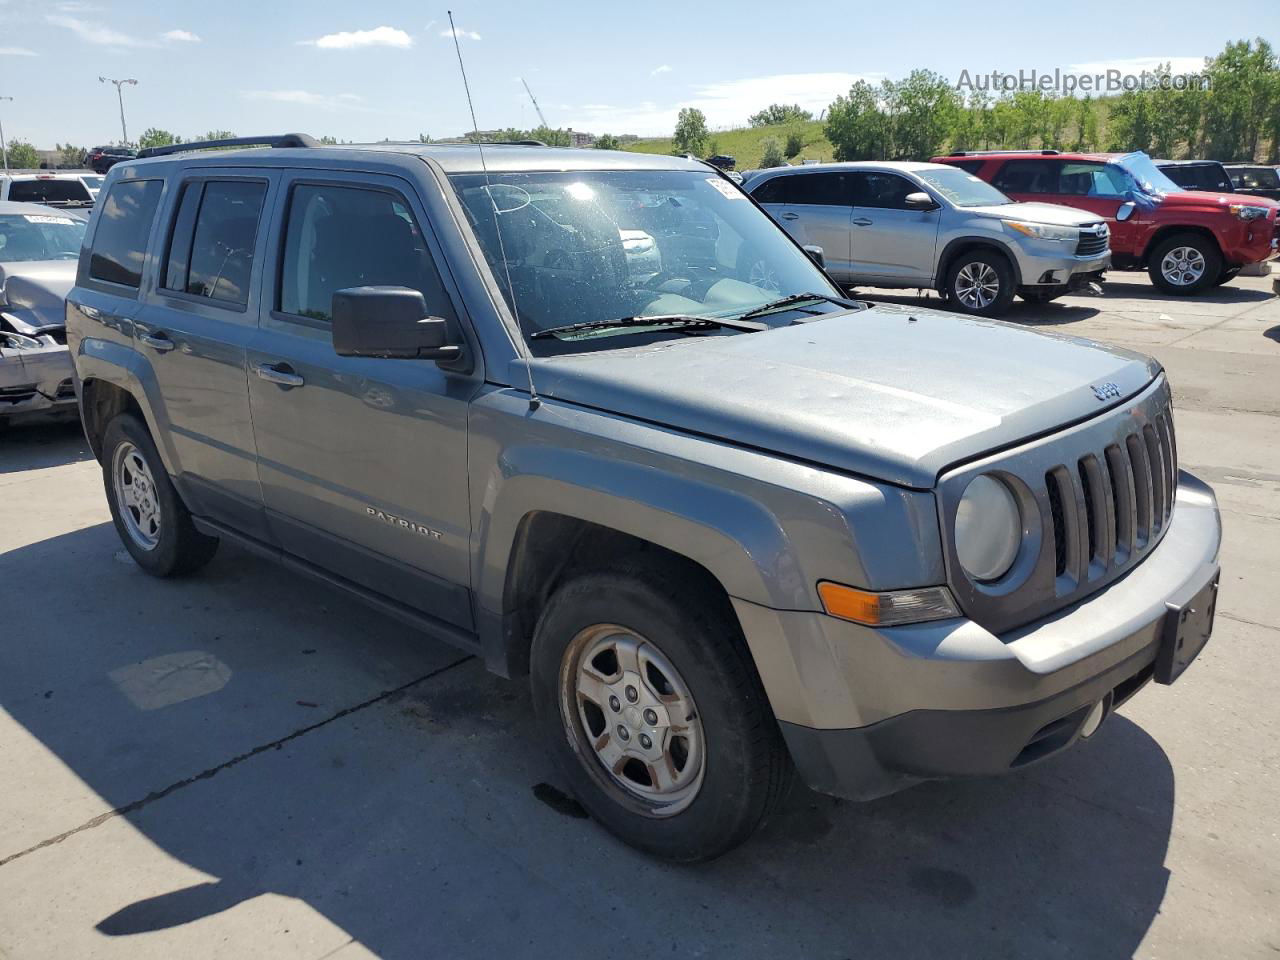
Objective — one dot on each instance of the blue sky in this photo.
(373, 70)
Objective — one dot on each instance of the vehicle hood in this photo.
(1051, 213)
(33, 294)
(1202, 199)
(893, 392)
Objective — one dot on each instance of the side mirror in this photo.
(919, 201)
(1126, 210)
(389, 322)
(816, 255)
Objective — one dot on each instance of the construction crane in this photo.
(541, 118)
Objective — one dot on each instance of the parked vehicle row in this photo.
(1187, 240)
(593, 417)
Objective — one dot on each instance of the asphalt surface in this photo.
(244, 764)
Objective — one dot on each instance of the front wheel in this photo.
(1226, 276)
(654, 714)
(980, 282)
(149, 516)
(1185, 264)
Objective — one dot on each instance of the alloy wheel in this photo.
(977, 285)
(1183, 266)
(136, 496)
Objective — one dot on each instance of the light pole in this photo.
(4, 149)
(124, 131)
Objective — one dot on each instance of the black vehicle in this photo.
(1256, 179)
(723, 161)
(102, 159)
(1207, 175)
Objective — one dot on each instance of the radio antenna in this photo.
(534, 402)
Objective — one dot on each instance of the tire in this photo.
(162, 541)
(990, 297)
(1227, 275)
(1184, 275)
(1039, 296)
(735, 766)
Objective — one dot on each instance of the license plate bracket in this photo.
(1185, 631)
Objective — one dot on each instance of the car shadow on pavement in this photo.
(42, 443)
(283, 747)
(1142, 289)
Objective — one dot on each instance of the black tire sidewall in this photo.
(735, 792)
(180, 548)
(999, 263)
(1212, 264)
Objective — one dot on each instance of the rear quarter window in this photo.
(120, 241)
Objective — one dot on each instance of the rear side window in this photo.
(211, 254)
(339, 237)
(49, 191)
(1027, 176)
(120, 242)
(1091, 180)
(822, 189)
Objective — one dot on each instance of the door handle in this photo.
(791, 216)
(862, 222)
(157, 341)
(278, 373)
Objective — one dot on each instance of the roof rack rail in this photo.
(275, 140)
(992, 153)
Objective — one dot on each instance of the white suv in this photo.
(74, 189)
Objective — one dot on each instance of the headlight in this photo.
(1247, 212)
(1042, 231)
(988, 529)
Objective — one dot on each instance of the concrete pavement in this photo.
(244, 764)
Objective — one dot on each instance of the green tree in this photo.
(855, 124)
(22, 155)
(70, 156)
(772, 153)
(1240, 99)
(219, 135)
(1086, 112)
(551, 137)
(153, 137)
(329, 141)
(607, 141)
(777, 113)
(423, 138)
(691, 131)
(927, 107)
(1129, 122)
(794, 144)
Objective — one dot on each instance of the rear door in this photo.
(362, 460)
(194, 327)
(815, 208)
(890, 243)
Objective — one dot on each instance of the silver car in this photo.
(39, 248)
(932, 226)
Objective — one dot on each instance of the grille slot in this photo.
(1124, 504)
(1090, 243)
(1054, 488)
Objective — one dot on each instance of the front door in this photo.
(890, 242)
(362, 461)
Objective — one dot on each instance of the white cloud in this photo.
(77, 6)
(665, 68)
(96, 33)
(17, 52)
(462, 34)
(1136, 65)
(726, 104)
(180, 36)
(306, 98)
(355, 39)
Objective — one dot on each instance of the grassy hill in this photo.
(747, 144)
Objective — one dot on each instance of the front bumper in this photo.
(1044, 268)
(866, 712)
(36, 380)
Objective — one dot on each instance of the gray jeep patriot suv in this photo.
(524, 400)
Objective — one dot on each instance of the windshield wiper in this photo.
(672, 320)
(796, 298)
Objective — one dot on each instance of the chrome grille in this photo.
(1096, 498)
(1091, 242)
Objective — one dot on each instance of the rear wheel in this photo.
(980, 282)
(1185, 264)
(655, 717)
(151, 519)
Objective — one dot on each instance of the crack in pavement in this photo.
(214, 771)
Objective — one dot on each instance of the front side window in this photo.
(598, 246)
(1027, 176)
(886, 191)
(120, 241)
(38, 236)
(214, 234)
(339, 237)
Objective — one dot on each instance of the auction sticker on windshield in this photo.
(726, 188)
(41, 218)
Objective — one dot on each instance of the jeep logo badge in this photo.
(1106, 391)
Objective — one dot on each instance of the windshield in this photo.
(49, 190)
(1146, 174)
(963, 189)
(1256, 178)
(32, 236)
(587, 247)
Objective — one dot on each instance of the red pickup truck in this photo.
(1187, 240)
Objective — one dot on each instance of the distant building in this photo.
(579, 139)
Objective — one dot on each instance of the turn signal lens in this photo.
(889, 609)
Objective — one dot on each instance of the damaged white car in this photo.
(39, 248)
